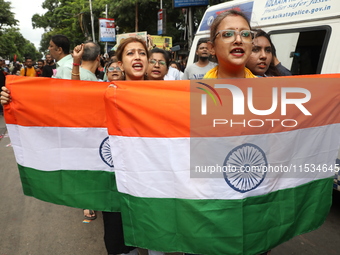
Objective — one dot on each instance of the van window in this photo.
(302, 50)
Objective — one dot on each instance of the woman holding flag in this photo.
(133, 60)
(231, 42)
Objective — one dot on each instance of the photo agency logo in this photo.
(230, 121)
(243, 103)
(207, 90)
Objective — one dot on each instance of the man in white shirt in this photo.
(198, 69)
(60, 50)
(173, 73)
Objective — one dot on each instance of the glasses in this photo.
(160, 62)
(229, 36)
(111, 69)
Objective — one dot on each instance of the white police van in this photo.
(336, 184)
(306, 33)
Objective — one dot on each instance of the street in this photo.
(33, 227)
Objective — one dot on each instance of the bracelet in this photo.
(77, 74)
(75, 64)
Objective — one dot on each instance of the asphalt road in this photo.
(32, 227)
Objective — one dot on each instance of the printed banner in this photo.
(267, 12)
(162, 42)
(271, 11)
(189, 3)
(122, 37)
(107, 30)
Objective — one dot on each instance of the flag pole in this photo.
(106, 17)
(93, 37)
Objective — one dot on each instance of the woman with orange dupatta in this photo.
(231, 42)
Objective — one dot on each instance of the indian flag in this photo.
(59, 136)
(232, 166)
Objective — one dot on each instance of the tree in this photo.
(61, 17)
(13, 43)
(11, 40)
(6, 16)
(73, 19)
(124, 13)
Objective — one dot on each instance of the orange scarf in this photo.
(212, 73)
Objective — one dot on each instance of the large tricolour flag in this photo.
(58, 132)
(210, 167)
(223, 166)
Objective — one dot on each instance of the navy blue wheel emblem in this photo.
(105, 152)
(245, 167)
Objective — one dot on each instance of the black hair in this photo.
(272, 70)
(111, 53)
(177, 64)
(217, 21)
(110, 62)
(165, 54)
(61, 41)
(102, 61)
(200, 41)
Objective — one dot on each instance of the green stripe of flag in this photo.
(248, 226)
(75, 188)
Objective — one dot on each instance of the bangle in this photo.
(75, 64)
(77, 74)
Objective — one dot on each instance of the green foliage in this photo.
(61, 17)
(73, 19)
(123, 12)
(11, 40)
(13, 43)
(6, 16)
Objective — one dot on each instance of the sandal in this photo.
(92, 213)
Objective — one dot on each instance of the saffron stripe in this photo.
(160, 111)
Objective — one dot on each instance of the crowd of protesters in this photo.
(47, 67)
(137, 60)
